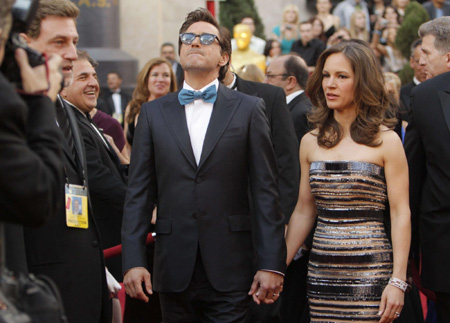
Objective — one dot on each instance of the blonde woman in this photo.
(288, 31)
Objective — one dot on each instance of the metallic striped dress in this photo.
(351, 258)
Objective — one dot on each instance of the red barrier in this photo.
(117, 250)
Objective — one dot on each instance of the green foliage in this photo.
(232, 11)
(415, 15)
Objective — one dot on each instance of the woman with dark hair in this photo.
(155, 80)
(272, 50)
(351, 164)
(318, 29)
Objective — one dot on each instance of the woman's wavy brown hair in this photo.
(371, 99)
(141, 92)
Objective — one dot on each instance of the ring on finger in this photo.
(397, 314)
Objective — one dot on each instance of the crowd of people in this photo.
(308, 187)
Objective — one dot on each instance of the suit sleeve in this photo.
(269, 221)
(415, 153)
(285, 145)
(31, 171)
(141, 196)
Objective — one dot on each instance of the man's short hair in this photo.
(84, 55)
(440, 29)
(115, 72)
(167, 44)
(5, 18)
(203, 15)
(293, 66)
(58, 8)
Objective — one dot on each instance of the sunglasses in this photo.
(205, 39)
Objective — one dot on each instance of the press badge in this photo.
(76, 206)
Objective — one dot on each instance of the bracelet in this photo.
(398, 283)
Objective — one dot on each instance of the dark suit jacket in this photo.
(204, 207)
(107, 188)
(428, 152)
(31, 169)
(300, 106)
(431, 9)
(106, 103)
(179, 75)
(405, 93)
(283, 137)
(30, 158)
(73, 258)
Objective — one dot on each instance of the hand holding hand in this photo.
(133, 283)
(266, 287)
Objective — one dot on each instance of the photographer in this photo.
(31, 173)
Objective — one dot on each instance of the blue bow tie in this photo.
(187, 96)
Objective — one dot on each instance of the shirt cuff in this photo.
(273, 271)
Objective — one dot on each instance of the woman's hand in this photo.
(391, 304)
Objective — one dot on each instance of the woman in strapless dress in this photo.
(351, 164)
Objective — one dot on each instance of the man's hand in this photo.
(266, 287)
(133, 283)
(34, 79)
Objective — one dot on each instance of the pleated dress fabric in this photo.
(351, 258)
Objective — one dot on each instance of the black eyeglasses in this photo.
(205, 39)
(269, 76)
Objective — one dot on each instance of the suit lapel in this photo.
(175, 117)
(223, 110)
(444, 96)
(295, 100)
(242, 86)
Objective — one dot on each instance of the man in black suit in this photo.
(31, 166)
(196, 156)
(168, 52)
(114, 100)
(419, 76)
(428, 152)
(291, 73)
(285, 145)
(107, 178)
(72, 256)
(308, 47)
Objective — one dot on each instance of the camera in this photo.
(23, 12)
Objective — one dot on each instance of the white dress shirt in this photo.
(198, 114)
(292, 96)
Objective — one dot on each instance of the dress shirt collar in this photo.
(416, 81)
(292, 96)
(233, 84)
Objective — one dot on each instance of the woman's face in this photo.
(159, 81)
(323, 6)
(391, 16)
(275, 50)
(338, 82)
(290, 16)
(317, 28)
(360, 20)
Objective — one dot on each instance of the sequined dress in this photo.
(351, 258)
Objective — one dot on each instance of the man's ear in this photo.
(292, 82)
(63, 93)
(224, 59)
(447, 57)
(25, 37)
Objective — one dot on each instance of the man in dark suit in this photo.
(114, 100)
(291, 73)
(107, 178)
(285, 145)
(419, 76)
(31, 166)
(168, 52)
(71, 256)
(437, 8)
(428, 152)
(196, 156)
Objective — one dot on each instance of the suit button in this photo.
(198, 180)
(95, 243)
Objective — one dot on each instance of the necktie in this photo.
(187, 96)
(63, 122)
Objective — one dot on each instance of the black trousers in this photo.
(443, 307)
(200, 302)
